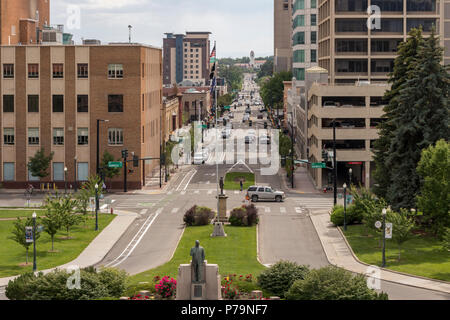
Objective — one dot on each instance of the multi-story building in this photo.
(357, 110)
(304, 38)
(52, 97)
(186, 57)
(351, 51)
(196, 102)
(282, 35)
(171, 116)
(22, 21)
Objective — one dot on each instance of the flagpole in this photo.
(217, 139)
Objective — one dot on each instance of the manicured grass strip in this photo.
(231, 181)
(19, 213)
(421, 255)
(234, 254)
(12, 254)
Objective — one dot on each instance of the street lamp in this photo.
(65, 180)
(98, 144)
(75, 173)
(34, 241)
(350, 171)
(384, 238)
(96, 207)
(334, 162)
(345, 206)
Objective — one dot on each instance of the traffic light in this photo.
(250, 123)
(135, 161)
(265, 125)
(325, 155)
(125, 153)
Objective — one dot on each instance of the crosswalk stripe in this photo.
(175, 210)
(170, 192)
(210, 191)
(183, 192)
(143, 211)
(267, 209)
(282, 209)
(236, 192)
(298, 210)
(196, 191)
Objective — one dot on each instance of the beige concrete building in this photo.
(171, 115)
(52, 97)
(282, 35)
(196, 103)
(358, 110)
(352, 51)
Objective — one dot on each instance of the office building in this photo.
(186, 58)
(282, 35)
(52, 97)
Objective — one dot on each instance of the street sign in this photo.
(319, 165)
(389, 230)
(349, 199)
(378, 224)
(300, 161)
(29, 234)
(113, 164)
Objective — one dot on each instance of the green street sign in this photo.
(319, 165)
(113, 164)
(227, 107)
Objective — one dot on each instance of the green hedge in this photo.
(337, 215)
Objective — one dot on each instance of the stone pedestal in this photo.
(222, 214)
(219, 231)
(208, 289)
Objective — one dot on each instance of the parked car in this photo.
(265, 193)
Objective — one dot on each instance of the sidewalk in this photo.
(340, 254)
(98, 248)
(302, 182)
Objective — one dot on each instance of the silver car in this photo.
(265, 193)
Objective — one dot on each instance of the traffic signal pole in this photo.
(334, 162)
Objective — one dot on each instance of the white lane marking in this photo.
(143, 211)
(170, 192)
(267, 209)
(298, 210)
(282, 209)
(210, 191)
(197, 191)
(135, 241)
(236, 192)
(183, 192)
(103, 207)
(185, 177)
(189, 181)
(175, 210)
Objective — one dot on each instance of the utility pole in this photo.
(334, 162)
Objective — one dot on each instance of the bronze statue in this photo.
(221, 184)
(198, 257)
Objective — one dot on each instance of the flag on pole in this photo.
(213, 70)
(212, 58)
(213, 85)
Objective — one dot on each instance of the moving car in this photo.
(257, 193)
(201, 157)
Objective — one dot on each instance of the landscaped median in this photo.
(232, 180)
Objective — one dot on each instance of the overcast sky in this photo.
(238, 26)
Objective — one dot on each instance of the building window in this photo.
(299, 21)
(33, 71)
(82, 71)
(115, 71)
(58, 71)
(83, 136)
(8, 71)
(8, 103)
(313, 55)
(33, 136)
(82, 171)
(82, 103)
(58, 103)
(299, 5)
(58, 171)
(8, 171)
(313, 4)
(299, 56)
(143, 134)
(313, 37)
(115, 136)
(58, 136)
(8, 136)
(115, 103)
(313, 20)
(33, 103)
(299, 38)
(299, 73)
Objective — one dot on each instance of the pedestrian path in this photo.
(315, 203)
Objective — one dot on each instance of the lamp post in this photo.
(65, 180)
(96, 207)
(345, 206)
(350, 171)
(98, 145)
(75, 173)
(34, 241)
(334, 162)
(383, 264)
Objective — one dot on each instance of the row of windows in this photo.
(115, 103)
(115, 71)
(299, 21)
(299, 38)
(386, 5)
(299, 56)
(58, 171)
(300, 5)
(192, 50)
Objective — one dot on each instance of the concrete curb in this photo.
(92, 255)
(383, 269)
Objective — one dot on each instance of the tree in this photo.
(420, 119)
(266, 69)
(109, 172)
(40, 163)
(402, 225)
(18, 233)
(407, 52)
(52, 219)
(64, 208)
(232, 75)
(446, 240)
(434, 197)
(272, 91)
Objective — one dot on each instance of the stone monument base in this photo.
(207, 289)
(222, 215)
(219, 231)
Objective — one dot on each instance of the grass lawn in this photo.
(421, 255)
(12, 254)
(19, 213)
(234, 254)
(232, 180)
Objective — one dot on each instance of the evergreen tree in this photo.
(421, 118)
(407, 52)
(109, 172)
(40, 163)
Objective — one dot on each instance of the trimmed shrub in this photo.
(114, 280)
(189, 216)
(337, 215)
(238, 217)
(332, 283)
(252, 215)
(203, 216)
(279, 278)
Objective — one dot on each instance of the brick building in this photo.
(52, 97)
(21, 21)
